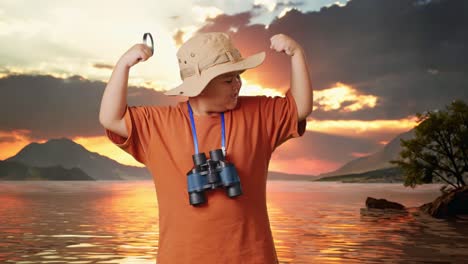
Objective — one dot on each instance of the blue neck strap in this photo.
(194, 131)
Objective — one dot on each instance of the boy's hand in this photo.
(283, 43)
(136, 54)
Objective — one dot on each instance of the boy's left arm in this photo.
(301, 87)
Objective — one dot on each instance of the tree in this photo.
(439, 150)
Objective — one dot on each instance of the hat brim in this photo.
(194, 85)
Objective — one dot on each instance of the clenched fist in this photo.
(283, 43)
(137, 53)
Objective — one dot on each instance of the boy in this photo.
(222, 229)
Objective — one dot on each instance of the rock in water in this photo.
(449, 204)
(382, 204)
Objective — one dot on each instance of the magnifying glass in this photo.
(145, 36)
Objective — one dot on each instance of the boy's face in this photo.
(222, 92)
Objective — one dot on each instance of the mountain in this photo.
(68, 154)
(376, 161)
(388, 175)
(14, 171)
(273, 175)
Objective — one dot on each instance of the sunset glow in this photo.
(12, 142)
(343, 98)
(253, 89)
(302, 166)
(360, 128)
(350, 128)
(105, 147)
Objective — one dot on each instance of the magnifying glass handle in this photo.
(145, 36)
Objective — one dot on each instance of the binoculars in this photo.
(211, 174)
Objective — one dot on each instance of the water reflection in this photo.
(108, 222)
(116, 222)
(328, 225)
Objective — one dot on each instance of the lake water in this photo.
(116, 222)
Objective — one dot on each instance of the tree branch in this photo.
(448, 153)
(445, 180)
(439, 164)
(451, 157)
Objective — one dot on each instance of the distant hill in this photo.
(273, 175)
(376, 161)
(68, 154)
(388, 175)
(15, 171)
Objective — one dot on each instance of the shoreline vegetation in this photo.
(387, 175)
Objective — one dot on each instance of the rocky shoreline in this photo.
(449, 205)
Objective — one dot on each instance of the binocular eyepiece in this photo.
(211, 174)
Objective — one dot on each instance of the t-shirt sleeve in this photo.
(281, 119)
(137, 121)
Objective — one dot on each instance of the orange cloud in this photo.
(251, 89)
(103, 66)
(12, 142)
(359, 128)
(343, 98)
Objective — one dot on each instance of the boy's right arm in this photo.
(114, 99)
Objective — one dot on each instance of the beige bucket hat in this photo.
(205, 56)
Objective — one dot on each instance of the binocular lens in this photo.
(199, 159)
(216, 155)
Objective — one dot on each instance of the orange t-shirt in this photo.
(224, 230)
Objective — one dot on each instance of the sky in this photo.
(373, 64)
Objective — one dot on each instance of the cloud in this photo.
(50, 107)
(252, 89)
(53, 37)
(394, 58)
(103, 66)
(361, 129)
(12, 141)
(202, 13)
(342, 98)
(7, 139)
(405, 54)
